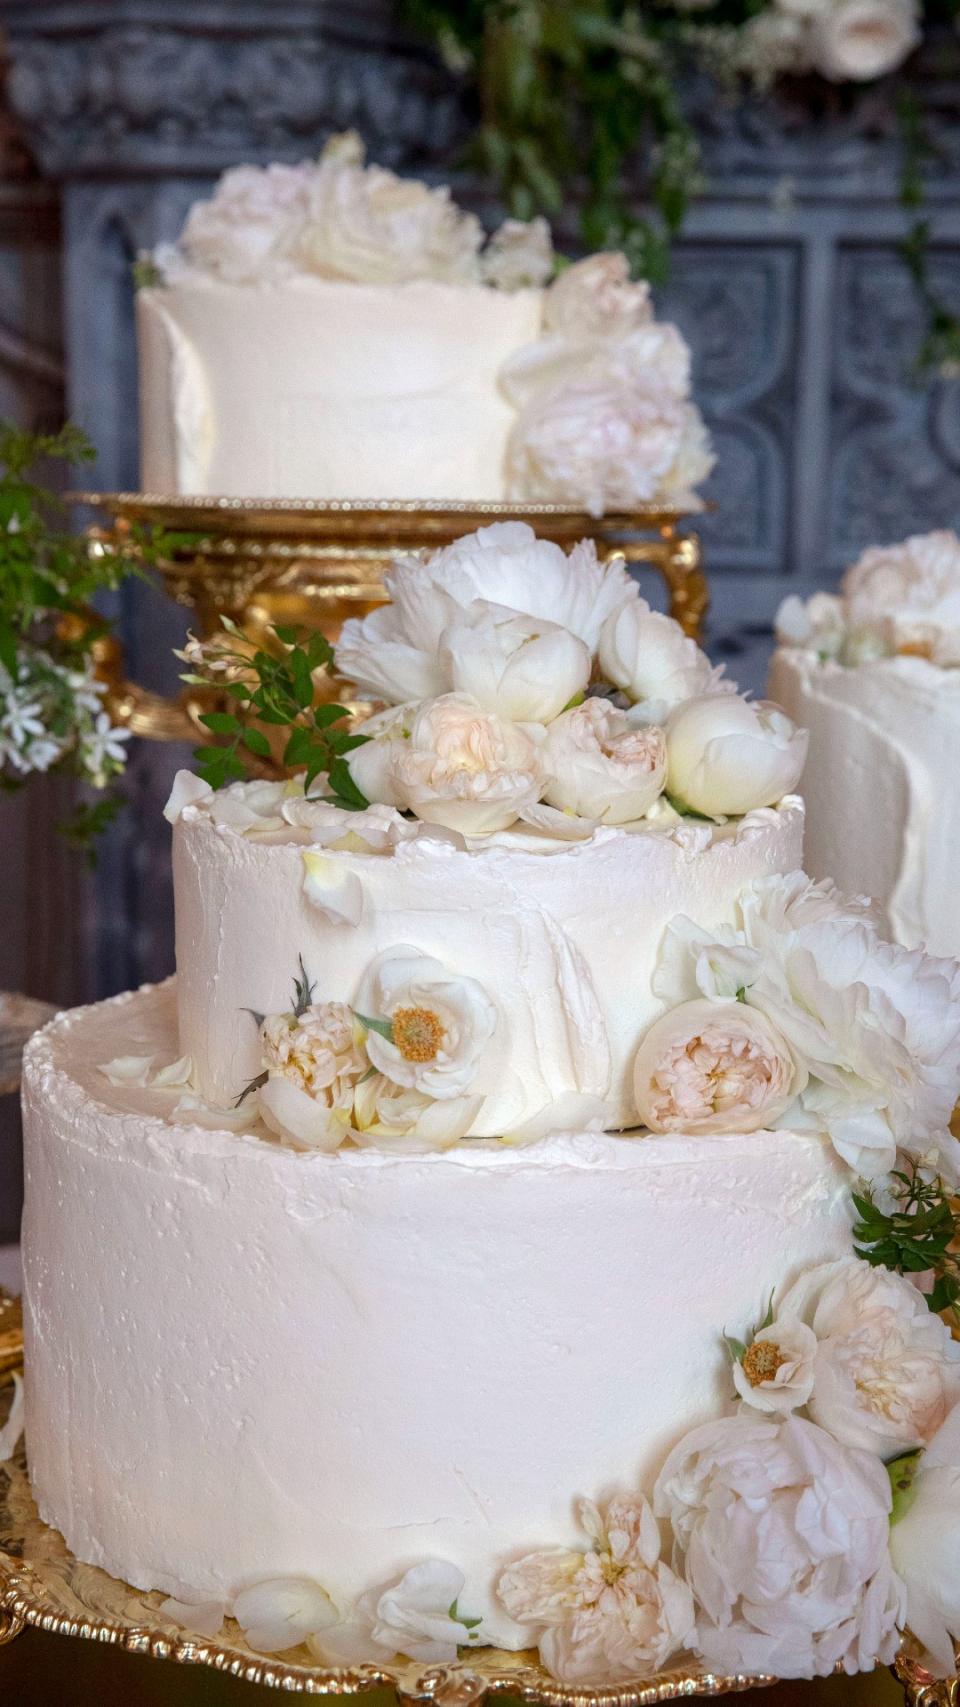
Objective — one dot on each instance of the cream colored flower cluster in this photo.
(846, 41)
(799, 1015)
(895, 600)
(524, 684)
(399, 1068)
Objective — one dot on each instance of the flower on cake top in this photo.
(874, 1028)
(522, 678)
(609, 1613)
(895, 600)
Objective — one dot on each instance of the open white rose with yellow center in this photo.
(714, 1066)
(775, 1373)
(426, 1028)
(313, 1062)
(464, 767)
(606, 1614)
(600, 766)
(886, 1369)
(925, 1543)
(727, 755)
(522, 667)
(781, 1534)
(649, 657)
(855, 41)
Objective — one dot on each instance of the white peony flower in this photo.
(388, 1116)
(365, 223)
(727, 755)
(427, 1028)
(375, 653)
(925, 1543)
(608, 1614)
(416, 1616)
(282, 1613)
(596, 298)
(710, 1066)
(855, 41)
(886, 1369)
(522, 667)
(246, 232)
(519, 255)
(463, 767)
(775, 1373)
(781, 1534)
(817, 624)
(313, 1061)
(600, 766)
(649, 657)
(914, 589)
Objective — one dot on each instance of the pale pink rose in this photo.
(714, 1066)
(600, 766)
(464, 767)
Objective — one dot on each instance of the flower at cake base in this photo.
(521, 667)
(856, 41)
(426, 1028)
(781, 1535)
(465, 768)
(247, 229)
(727, 755)
(417, 1615)
(886, 1369)
(649, 657)
(388, 1116)
(599, 765)
(282, 1612)
(313, 1063)
(519, 255)
(711, 1066)
(775, 1373)
(925, 1543)
(610, 1613)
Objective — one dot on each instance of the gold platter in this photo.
(44, 1586)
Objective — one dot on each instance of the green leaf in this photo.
(382, 1027)
(221, 722)
(248, 1089)
(343, 787)
(256, 742)
(287, 635)
(327, 714)
(735, 1347)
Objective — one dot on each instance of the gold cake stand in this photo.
(44, 1586)
(312, 564)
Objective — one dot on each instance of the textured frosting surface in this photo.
(342, 390)
(564, 941)
(245, 1362)
(883, 810)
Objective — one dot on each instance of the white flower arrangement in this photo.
(895, 600)
(51, 712)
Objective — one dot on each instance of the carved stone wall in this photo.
(803, 323)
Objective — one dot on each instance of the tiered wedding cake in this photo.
(330, 330)
(507, 1070)
(873, 675)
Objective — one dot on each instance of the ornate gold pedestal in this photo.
(313, 564)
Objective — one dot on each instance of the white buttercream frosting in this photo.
(246, 1363)
(883, 811)
(562, 935)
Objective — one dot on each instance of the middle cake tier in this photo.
(562, 936)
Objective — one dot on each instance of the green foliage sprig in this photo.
(274, 689)
(919, 1236)
(940, 347)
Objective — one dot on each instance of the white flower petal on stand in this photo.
(522, 667)
(649, 657)
(925, 1545)
(283, 1612)
(292, 1113)
(201, 1617)
(776, 1374)
(727, 755)
(13, 1427)
(186, 791)
(440, 1022)
(332, 888)
(413, 1615)
(712, 1067)
(598, 766)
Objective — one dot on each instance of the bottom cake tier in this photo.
(245, 1362)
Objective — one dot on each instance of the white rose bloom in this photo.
(610, 1613)
(886, 1369)
(648, 655)
(925, 1544)
(598, 765)
(465, 768)
(365, 223)
(913, 586)
(710, 1066)
(313, 1062)
(596, 298)
(519, 255)
(413, 1616)
(857, 40)
(371, 766)
(389, 1117)
(727, 755)
(522, 667)
(817, 624)
(439, 1023)
(247, 230)
(776, 1372)
(781, 1534)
